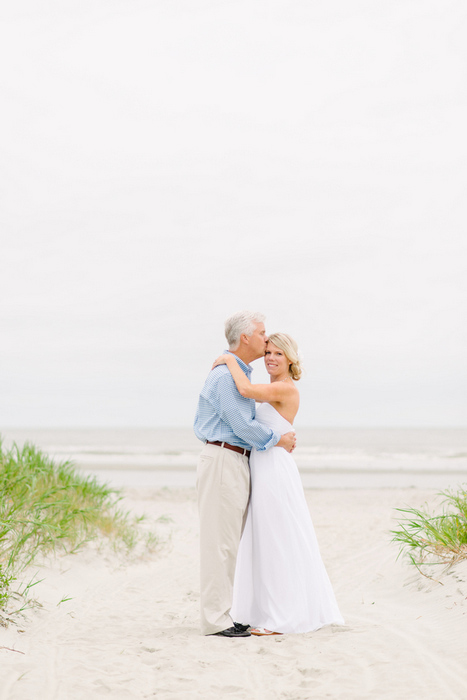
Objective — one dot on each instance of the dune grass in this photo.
(429, 539)
(48, 508)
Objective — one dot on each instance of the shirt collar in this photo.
(243, 365)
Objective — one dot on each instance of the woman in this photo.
(281, 584)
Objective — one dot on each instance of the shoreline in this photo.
(311, 479)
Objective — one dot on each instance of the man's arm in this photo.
(235, 410)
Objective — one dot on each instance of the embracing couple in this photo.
(261, 569)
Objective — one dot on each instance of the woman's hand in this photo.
(221, 360)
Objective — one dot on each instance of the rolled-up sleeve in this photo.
(236, 410)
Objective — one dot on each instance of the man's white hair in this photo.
(241, 322)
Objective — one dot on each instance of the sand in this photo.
(130, 629)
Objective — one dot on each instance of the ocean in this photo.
(326, 457)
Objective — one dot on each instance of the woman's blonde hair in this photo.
(290, 348)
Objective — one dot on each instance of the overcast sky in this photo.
(166, 163)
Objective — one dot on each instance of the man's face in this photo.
(257, 341)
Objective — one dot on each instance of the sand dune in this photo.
(130, 629)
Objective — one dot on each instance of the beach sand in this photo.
(131, 629)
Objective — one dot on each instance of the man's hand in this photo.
(288, 441)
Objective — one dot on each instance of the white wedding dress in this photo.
(280, 579)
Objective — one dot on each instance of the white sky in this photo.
(165, 163)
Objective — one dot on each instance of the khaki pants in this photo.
(223, 492)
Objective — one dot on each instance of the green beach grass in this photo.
(48, 508)
(429, 539)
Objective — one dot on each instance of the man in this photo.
(225, 422)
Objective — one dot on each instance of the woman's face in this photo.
(277, 364)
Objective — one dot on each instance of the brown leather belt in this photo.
(235, 448)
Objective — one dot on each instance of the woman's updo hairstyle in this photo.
(290, 348)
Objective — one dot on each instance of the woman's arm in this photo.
(276, 391)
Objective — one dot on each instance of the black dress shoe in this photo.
(232, 632)
(242, 628)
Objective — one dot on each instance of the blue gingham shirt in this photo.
(225, 415)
